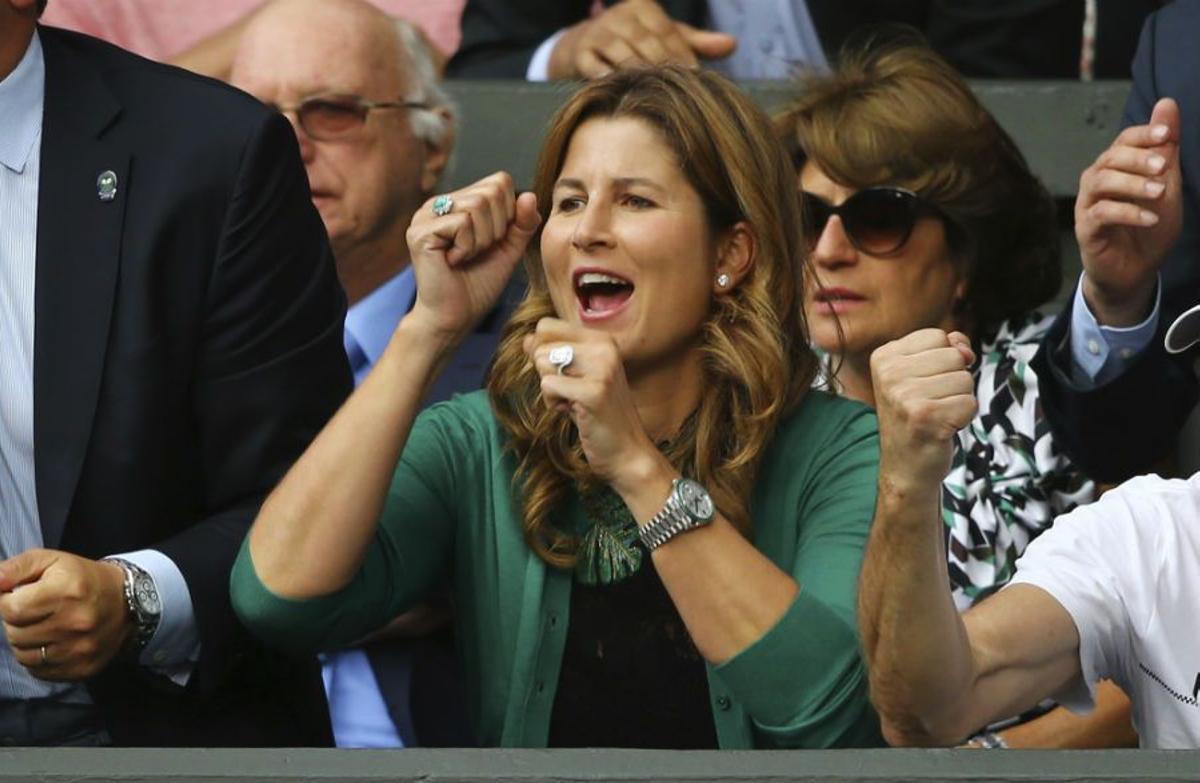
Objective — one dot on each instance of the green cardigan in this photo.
(452, 513)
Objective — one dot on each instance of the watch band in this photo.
(989, 740)
(672, 519)
(145, 623)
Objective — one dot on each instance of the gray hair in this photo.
(418, 67)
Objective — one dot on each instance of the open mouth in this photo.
(601, 293)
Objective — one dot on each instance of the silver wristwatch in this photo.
(141, 598)
(688, 507)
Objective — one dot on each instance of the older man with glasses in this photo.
(376, 131)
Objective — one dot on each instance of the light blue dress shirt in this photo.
(372, 319)
(1101, 353)
(356, 708)
(175, 644)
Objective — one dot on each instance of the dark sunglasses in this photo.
(327, 117)
(877, 220)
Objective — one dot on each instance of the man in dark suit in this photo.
(376, 131)
(1114, 397)
(170, 341)
(515, 39)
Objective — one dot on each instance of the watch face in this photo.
(695, 499)
(147, 596)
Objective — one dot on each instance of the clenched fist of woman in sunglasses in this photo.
(932, 245)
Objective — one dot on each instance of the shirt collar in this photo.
(373, 318)
(22, 94)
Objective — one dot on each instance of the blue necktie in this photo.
(358, 358)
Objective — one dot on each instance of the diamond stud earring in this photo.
(722, 280)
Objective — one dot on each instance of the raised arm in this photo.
(937, 676)
(326, 508)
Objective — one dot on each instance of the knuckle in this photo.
(920, 412)
(75, 589)
(82, 622)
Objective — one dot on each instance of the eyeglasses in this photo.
(328, 117)
(877, 220)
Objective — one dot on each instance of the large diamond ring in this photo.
(442, 205)
(45, 660)
(561, 357)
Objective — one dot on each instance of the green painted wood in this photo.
(594, 766)
(1060, 126)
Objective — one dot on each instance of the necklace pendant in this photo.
(607, 555)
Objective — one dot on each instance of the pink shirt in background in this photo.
(161, 29)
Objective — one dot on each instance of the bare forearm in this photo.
(1109, 725)
(727, 592)
(325, 510)
(917, 649)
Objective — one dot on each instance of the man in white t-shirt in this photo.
(1112, 591)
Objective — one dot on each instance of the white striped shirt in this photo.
(21, 94)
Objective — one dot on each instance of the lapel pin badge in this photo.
(106, 185)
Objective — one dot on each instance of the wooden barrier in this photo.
(594, 766)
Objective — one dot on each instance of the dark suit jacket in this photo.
(188, 346)
(1023, 39)
(1120, 428)
(499, 37)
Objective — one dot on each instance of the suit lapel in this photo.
(78, 248)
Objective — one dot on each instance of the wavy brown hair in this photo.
(756, 358)
(895, 113)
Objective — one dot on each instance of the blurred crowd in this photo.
(726, 430)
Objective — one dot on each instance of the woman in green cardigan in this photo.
(652, 526)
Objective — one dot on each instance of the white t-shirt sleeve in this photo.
(1091, 562)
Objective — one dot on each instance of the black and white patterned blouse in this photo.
(1008, 480)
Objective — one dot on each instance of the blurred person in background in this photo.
(653, 524)
(765, 39)
(376, 132)
(1115, 398)
(914, 238)
(203, 37)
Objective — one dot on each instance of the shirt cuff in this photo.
(539, 65)
(174, 648)
(1101, 353)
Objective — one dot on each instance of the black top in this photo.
(631, 676)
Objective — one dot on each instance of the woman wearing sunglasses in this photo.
(653, 525)
(929, 232)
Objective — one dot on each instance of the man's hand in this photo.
(924, 394)
(71, 606)
(1128, 214)
(633, 32)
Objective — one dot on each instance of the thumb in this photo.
(25, 568)
(963, 344)
(707, 43)
(526, 219)
(1166, 113)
